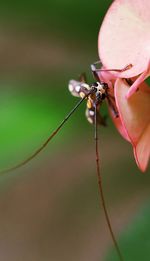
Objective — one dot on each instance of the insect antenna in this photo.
(48, 140)
(99, 177)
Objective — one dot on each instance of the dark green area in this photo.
(78, 18)
(135, 241)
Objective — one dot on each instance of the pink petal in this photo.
(135, 117)
(106, 76)
(110, 80)
(138, 81)
(124, 37)
(119, 126)
(142, 150)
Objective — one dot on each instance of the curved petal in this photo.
(119, 126)
(110, 80)
(124, 37)
(135, 117)
(106, 76)
(138, 81)
(142, 150)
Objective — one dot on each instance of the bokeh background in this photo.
(49, 209)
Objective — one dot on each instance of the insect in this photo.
(94, 94)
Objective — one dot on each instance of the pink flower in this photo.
(124, 39)
(135, 118)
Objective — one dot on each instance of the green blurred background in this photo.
(49, 209)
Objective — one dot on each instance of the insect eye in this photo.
(95, 84)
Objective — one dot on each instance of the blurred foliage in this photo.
(80, 19)
(135, 241)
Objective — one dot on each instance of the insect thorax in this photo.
(98, 94)
(81, 89)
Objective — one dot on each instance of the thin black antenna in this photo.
(101, 190)
(48, 140)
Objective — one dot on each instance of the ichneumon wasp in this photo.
(94, 94)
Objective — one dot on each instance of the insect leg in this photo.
(100, 186)
(47, 141)
(114, 110)
(95, 70)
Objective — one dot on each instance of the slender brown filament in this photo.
(102, 193)
(127, 67)
(47, 141)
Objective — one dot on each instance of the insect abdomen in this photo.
(78, 89)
